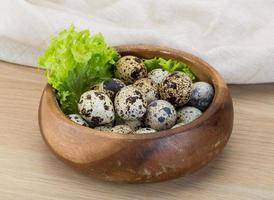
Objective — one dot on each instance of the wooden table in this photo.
(28, 170)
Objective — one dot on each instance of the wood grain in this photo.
(28, 170)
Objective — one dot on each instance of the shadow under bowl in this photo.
(149, 157)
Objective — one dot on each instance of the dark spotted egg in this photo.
(96, 108)
(188, 114)
(160, 115)
(130, 103)
(78, 119)
(130, 68)
(111, 87)
(176, 88)
(202, 95)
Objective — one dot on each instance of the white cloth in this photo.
(234, 36)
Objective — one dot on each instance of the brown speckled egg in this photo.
(122, 129)
(130, 103)
(111, 87)
(148, 88)
(78, 119)
(130, 68)
(145, 130)
(176, 88)
(96, 108)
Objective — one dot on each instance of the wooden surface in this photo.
(28, 170)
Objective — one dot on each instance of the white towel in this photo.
(234, 36)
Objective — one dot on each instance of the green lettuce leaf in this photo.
(74, 61)
(169, 65)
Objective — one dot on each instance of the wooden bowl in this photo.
(142, 158)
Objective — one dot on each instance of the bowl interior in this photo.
(201, 69)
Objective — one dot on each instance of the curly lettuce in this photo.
(169, 65)
(74, 61)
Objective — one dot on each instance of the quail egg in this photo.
(134, 124)
(78, 119)
(129, 103)
(157, 75)
(202, 95)
(178, 125)
(103, 128)
(176, 88)
(188, 114)
(96, 108)
(160, 115)
(148, 88)
(130, 68)
(111, 87)
(145, 130)
(122, 129)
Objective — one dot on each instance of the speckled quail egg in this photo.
(130, 68)
(160, 115)
(96, 108)
(103, 128)
(78, 119)
(122, 129)
(176, 88)
(134, 124)
(157, 75)
(148, 88)
(129, 103)
(202, 95)
(111, 87)
(178, 125)
(188, 114)
(145, 130)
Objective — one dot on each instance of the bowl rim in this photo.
(216, 79)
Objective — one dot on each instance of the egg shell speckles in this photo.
(103, 128)
(78, 119)
(160, 115)
(129, 103)
(111, 87)
(188, 114)
(134, 124)
(157, 75)
(148, 88)
(96, 108)
(130, 68)
(176, 88)
(122, 129)
(145, 130)
(202, 95)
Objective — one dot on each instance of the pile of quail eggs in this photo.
(138, 102)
